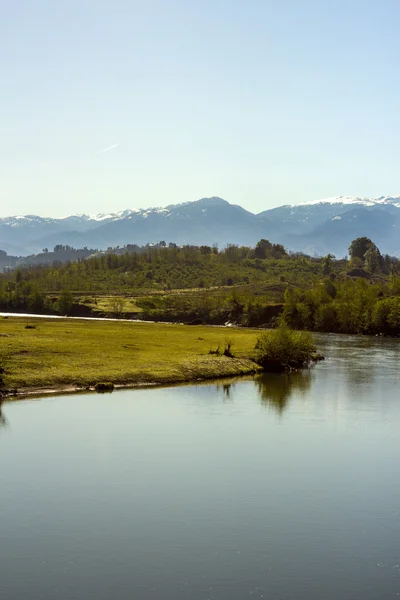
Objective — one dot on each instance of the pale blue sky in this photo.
(260, 102)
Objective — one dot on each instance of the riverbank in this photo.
(62, 355)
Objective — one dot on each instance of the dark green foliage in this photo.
(359, 247)
(372, 260)
(366, 302)
(264, 249)
(330, 288)
(284, 349)
(356, 306)
(195, 322)
(104, 387)
(240, 285)
(65, 302)
(164, 268)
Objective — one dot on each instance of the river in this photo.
(278, 487)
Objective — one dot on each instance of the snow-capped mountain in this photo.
(206, 221)
(356, 200)
(329, 225)
(315, 227)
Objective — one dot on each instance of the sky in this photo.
(127, 104)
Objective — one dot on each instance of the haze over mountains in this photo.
(317, 227)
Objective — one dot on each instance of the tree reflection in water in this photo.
(3, 420)
(227, 390)
(226, 387)
(276, 389)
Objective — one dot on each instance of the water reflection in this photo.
(276, 389)
(205, 491)
(225, 388)
(356, 358)
(3, 420)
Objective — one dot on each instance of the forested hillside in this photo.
(240, 284)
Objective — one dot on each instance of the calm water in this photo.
(283, 487)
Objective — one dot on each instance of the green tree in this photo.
(380, 315)
(360, 246)
(36, 301)
(326, 318)
(372, 260)
(330, 288)
(18, 276)
(278, 251)
(327, 264)
(393, 317)
(262, 249)
(65, 302)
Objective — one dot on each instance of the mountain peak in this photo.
(364, 200)
(321, 226)
(213, 200)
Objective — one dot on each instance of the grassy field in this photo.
(111, 304)
(56, 353)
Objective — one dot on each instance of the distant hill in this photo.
(329, 225)
(7, 261)
(318, 227)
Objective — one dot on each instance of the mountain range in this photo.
(316, 227)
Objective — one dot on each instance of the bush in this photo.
(283, 349)
(104, 386)
(228, 347)
(117, 306)
(217, 351)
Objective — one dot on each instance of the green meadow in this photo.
(57, 353)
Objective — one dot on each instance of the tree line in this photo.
(366, 300)
(359, 294)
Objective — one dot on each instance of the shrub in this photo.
(217, 351)
(104, 386)
(228, 347)
(283, 349)
(117, 305)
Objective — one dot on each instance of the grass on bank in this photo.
(60, 352)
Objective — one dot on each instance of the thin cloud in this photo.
(107, 149)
